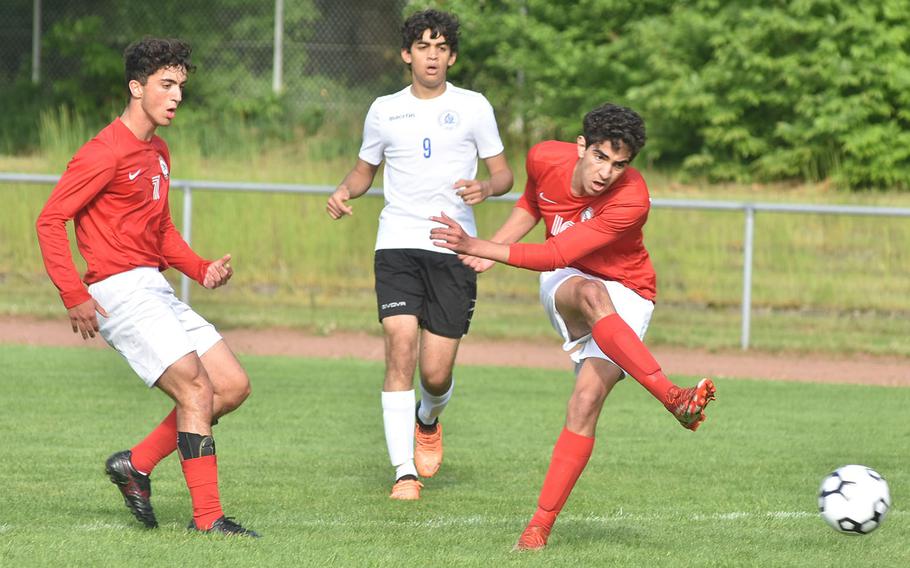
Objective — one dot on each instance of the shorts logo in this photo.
(391, 305)
(448, 119)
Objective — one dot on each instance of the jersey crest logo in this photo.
(448, 119)
(163, 165)
(156, 188)
(587, 214)
(560, 225)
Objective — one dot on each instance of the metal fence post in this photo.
(187, 233)
(36, 41)
(748, 245)
(278, 49)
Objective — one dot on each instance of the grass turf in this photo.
(304, 463)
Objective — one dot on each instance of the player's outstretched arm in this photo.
(355, 184)
(474, 191)
(218, 272)
(519, 224)
(453, 237)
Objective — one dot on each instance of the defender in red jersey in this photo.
(597, 283)
(115, 189)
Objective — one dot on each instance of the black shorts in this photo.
(436, 287)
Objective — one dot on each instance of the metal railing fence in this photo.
(748, 208)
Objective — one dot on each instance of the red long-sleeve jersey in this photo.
(116, 190)
(599, 235)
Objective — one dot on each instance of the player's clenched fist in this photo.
(472, 191)
(218, 273)
(337, 205)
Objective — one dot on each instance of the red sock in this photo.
(202, 479)
(570, 456)
(159, 444)
(618, 342)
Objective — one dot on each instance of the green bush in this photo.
(740, 90)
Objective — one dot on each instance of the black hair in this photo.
(146, 56)
(617, 124)
(439, 23)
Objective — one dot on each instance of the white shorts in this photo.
(147, 324)
(632, 308)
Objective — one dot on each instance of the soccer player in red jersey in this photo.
(116, 190)
(597, 283)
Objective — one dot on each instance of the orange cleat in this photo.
(428, 449)
(406, 490)
(688, 405)
(534, 537)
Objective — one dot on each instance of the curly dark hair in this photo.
(616, 124)
(146, 56)
(439, 23)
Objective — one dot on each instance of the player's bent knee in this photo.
(240, 394)
(594, 300)
(588, 401)
(195, 389)
(435, 373)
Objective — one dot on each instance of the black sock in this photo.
(420, 422)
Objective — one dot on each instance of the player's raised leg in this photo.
(437, 357)
(596, 378)
(586, 305)
(401, 336)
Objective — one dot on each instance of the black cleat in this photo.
(135, 487)
(225, 525)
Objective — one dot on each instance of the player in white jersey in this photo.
(430, 135)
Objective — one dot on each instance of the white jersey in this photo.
(428, 145)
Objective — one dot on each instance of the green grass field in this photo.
(304, 463)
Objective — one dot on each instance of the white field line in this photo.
(620, 516)
(483, 520)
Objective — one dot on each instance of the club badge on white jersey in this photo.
(448, 119)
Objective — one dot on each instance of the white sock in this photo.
(398, 419)
(431, 406)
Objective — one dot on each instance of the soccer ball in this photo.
(854, 499)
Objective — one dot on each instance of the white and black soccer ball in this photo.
(854, 499)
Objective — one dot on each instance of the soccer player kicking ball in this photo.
(116, 190)
(596, 284)
(430, 135)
